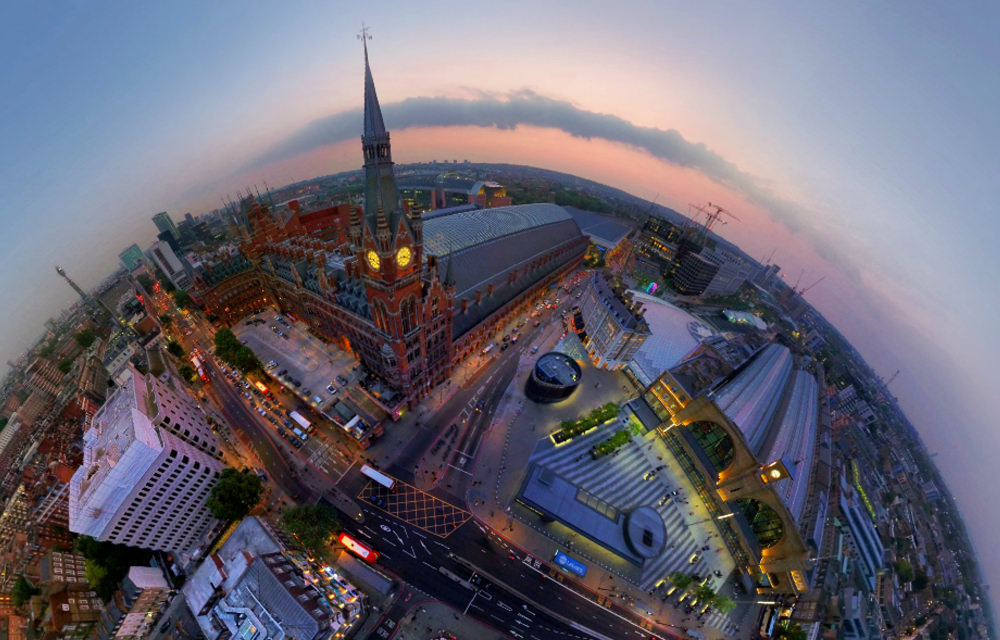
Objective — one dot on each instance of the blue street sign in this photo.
(570, 564)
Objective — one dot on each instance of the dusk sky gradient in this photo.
(859, 139)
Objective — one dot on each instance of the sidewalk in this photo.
(500, 468)
(430, 620)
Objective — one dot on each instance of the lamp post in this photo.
(722, 517)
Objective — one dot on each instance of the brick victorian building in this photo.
(408, 294)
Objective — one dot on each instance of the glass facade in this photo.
(764, 521)
(715, 441)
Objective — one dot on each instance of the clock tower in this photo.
(387, 241)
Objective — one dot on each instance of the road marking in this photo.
(470, 603)
(424, 546)
(462, 470)
(429, 565)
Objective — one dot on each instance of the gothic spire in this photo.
(380, 183)
(374, 126)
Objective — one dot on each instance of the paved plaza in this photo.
(307, 358)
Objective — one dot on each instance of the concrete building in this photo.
(149, 463)
(62, 568)
(656, 246)
(163, 256)
(252, 582)
(613, 321)
(134, 609)
(864, 538)
(131, 257)
(734, 270)
(165, 224)
(74, 613)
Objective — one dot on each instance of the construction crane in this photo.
(713, 214)
(891, 378)
(804, 289)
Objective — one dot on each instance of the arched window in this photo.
(435, 306)
(409, 314)
(380, 316)
(716, 443)
(764, 521)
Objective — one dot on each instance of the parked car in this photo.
(330, 389)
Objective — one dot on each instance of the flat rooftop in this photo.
(557, 368)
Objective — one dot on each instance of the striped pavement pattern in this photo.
(618, 480)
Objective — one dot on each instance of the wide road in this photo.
(239, 416)
(490, 581)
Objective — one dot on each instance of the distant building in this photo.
(164, 224)
(131, 257)
(734, 271)
(74, 613)
(613, 321)
(693, 273)
(134, 610)
(163, 256)
(656, 247)
(864, 537)
(714, 272)
(63, 568)
(149, 463)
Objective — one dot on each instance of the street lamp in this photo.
(722, 517)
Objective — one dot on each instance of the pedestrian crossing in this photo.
(618, 479)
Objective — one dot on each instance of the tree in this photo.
(111, 562)
(704, 593)
(94, 572)
(22, 591)
(183, 299)
(186, 372)
(789, 630)
(904, 570)
(722, 603)
(229, 348)
(175, 349)
(65, 365)
(246, 360)
(235, 494)
(680, 580)
(311, 525)
(166, 320)
(85, 337)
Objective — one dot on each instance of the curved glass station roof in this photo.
(449, 234)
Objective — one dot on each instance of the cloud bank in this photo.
(528, 108)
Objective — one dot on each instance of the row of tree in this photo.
(229, 348)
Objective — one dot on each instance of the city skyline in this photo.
(834, 170)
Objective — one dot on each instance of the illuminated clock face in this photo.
(373, 260)
(403, 256)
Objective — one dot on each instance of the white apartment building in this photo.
(149, 463)
(168, 262)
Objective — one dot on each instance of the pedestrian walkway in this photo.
(518, 437)
(433, 620)
(634, 476)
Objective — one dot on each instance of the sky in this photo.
(856, 140)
